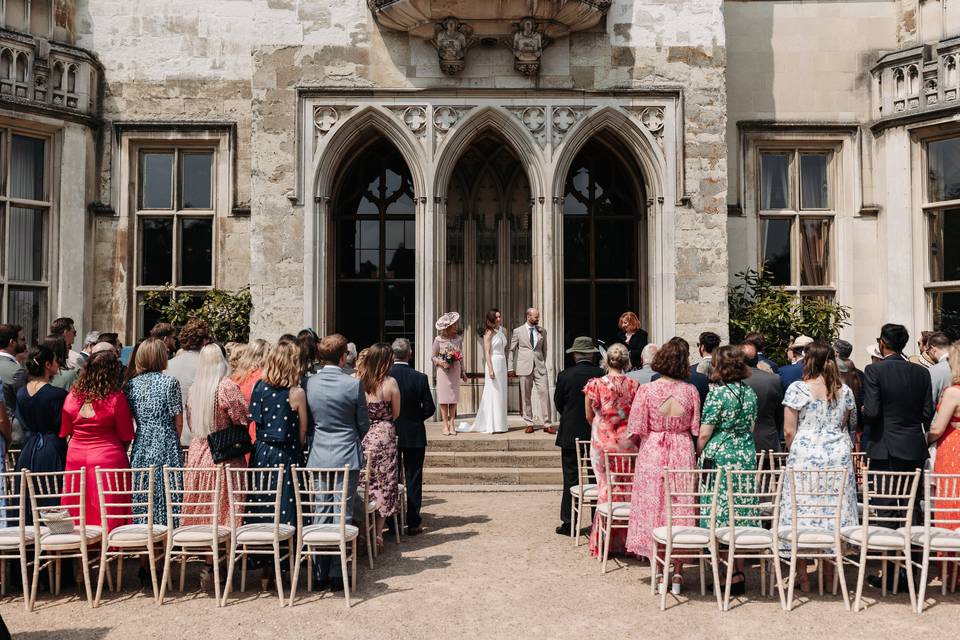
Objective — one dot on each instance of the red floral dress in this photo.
(948, 461)
(611, 398)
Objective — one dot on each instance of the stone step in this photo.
(491, 476)
(505, 442)
(519, 459)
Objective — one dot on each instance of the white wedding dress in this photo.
(492, 412)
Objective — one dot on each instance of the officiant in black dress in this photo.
(631, 335)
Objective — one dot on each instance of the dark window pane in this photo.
(612, 299)
(26, 246)
(945, 245)
(943, 170)
(400, 257)
(196, 180)
(774, 181)
(28, 308)
(814, 181)
(576, 248)
(156, 251)
(26, 169)
(400, 311)
(578, 192)
(814, 252)
(196, 252)
(615, 248)
(399, 191)
(946, 313)
(775, 248)
(576, 311)
(376, 182)
(148, 317)
(358, 312)
(156, 181)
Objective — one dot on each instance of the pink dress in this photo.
(611, 398)
(448, 380)
(665, 441)
(231, 409)
(97, 441)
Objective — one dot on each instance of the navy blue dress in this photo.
(278, 428)
(43, 448)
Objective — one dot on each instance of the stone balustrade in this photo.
(917, 80)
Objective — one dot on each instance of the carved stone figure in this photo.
(528, 44)
(452, 38)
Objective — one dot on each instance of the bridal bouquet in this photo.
(451, 355)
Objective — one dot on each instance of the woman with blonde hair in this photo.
(447, 357)
(380, 443)
(632, 336)
(246, 364)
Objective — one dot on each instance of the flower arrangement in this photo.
(450, 355)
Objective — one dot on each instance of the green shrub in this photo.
(226, 312)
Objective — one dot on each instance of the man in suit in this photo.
(769, 422)
(794, 371)
(416, 406)
(569, 401)
(12, 344)
(338, 407)
(938, 350)
(528, 349)
(707, 344)
(758, 340)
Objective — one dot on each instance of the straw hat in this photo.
(874, 352)
(447, 320)
(800, 342)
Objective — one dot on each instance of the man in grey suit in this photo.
(528, 353)
(339, 410)
(938, 350)
(769, 390)
(12, 373)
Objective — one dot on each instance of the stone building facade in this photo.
(365, 165)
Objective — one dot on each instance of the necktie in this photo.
(532, 343)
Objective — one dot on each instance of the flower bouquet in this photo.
(451, 355)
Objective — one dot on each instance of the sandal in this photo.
(379, 543)
(676, 582)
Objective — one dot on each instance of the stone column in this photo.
(429, 279)
(895, 286)
(73, 278)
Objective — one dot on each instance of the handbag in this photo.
(57, 520)
(230, 443)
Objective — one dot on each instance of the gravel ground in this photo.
(490, 566)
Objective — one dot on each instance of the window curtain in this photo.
(775, 188)
(25, 241)
(813, 178)
(814, 252)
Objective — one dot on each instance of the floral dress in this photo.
(380, 448)
(611, 398)
(732, 410)
(665, 441)
(822, 442)
(155, 402)
(948, 461)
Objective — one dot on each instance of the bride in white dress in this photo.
(492, 412)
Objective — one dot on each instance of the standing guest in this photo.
(157, 408)
(923, 359)
(769, 424)
(416, 406)
(308, 338)
(853, 378)
(12, 345)
(349, 366)
(64, 328)
(380, 442)
(938, 350)
(665, 417)
(65, 376)
(569, 402)
(97, 421)
(528, 346)
(726, 431)
(166, 333)
(758, 340)
(645, 373)
(945, 432)
(339, 409)
(815, 419)
(447, 357)
(193, 337)
(631, 335)
(247, 370)
(794, 371)
(89, 341)
(607, 402)
(708, 344)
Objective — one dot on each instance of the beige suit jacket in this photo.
(525, 358)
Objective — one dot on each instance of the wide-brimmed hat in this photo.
(874, 352)
(800, 342)
(583, 344)
(447, 320)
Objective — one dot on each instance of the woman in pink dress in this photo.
(666, 417)
(450, 372)
(607, 404)
(97, 420)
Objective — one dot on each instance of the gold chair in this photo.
(15, 537)
(940, 532)
(584, 493)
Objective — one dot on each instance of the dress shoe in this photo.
(529, 429)
(550, 430)
(563, 529)
(321, 584)
(336, 584)
(414, 531)
(877, 582)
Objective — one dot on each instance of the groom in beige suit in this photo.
(528, 351)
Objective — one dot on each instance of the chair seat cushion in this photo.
(135, 534)
(808, 536)
(620, 509)
(262, 533)
(941, 539)
(198, 534)
(693, 537)
(746, 536)
(47, 539)
(328, 533)
(877, 537)
(589, 491)
(10, 537)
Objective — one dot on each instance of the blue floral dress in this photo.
(732, 410)
(155, 401)
(278, 441)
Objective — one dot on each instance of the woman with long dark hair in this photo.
(492, 412)
(39, 407)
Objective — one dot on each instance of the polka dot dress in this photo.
(277, 429)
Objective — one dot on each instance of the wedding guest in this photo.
(13, 344)
(166, 333)
(726, 432)
(349, 366)
(758, 340)
(157, 408)
(631, 335)
(448, 359)
(607, 402)
(769, 423)
(64, 328)
(339, 409)
(89, 341)
(794, 371)
(814, 425)
(97, 421)
(247, 369)
(945, 432)
(307, 338)
(193, 336)
(665, 417)
(923, 359)
(707, 345)
(938, 350)
(853, 378)
(568, 399)
(65, 376)
(644, 372)
(416, 406)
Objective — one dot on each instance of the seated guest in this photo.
(758, 340)
(643, 371)
(665, 417)
(817, 408)
(794, 371)
(568, 400)
(632, 336)
(766, 430)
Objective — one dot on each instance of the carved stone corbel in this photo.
(452, 38)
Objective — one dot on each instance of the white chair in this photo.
(941, 529)
(322, 500)
(861, 463)
(402, 486)
(756, 540)
(123, 491)
(885, 532)
(584, 494)
(193, 506)
(819, 492)
(255, 498)
(690, 498)
(614, 512)
(48, 491)
(370, 517)
(15, 537)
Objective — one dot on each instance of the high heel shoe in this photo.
(144, 576)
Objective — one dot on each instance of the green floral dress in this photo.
(732, 410)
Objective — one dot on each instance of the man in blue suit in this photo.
(339, 410)
(792, 372)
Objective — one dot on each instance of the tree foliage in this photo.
(227, 313)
